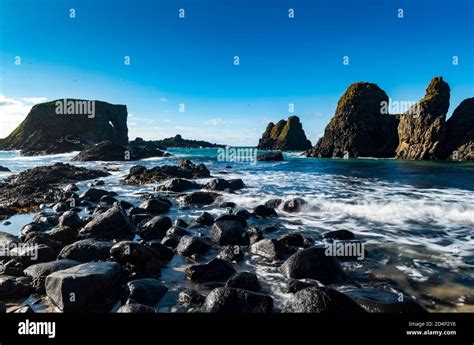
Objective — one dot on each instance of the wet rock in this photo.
(137, 259)
(180, 223)
(136, 308)
(244, 280)
(313, 263)
(294, 205)
(227, 232)
(147, 291)
(339, 235)
(111, 224)
(170, 241)
(293, 240)
(177, 232)
(186, 170)
(107, 200)
(155, 228)
(41, 238)
(95, 194)
(273, 203)
(227, 204)
(176, 141)
(86, 250)
(108, 151)
(270, 249)
(198, 198)
(4, 169)
(179, 185)
(232, 217)
(231, 253)
(220, 184)
(14, 287)
(230, 300)
(94, 286)
(189, 246)
(190, 297)
(380, 301)
(72, 187)
(8, 240)
(156, 206)
(321, 300)
(29, 189)
(33, 227)
(205, 219)
(243, 214)
(70, 219)
(295, 285)
(39, 272)
(264, 211)
(285, 135)
(270, 157)
(60, 207)
(30, 254)
(254, 235)
(214, 270)
(63, 235)
(166, 253)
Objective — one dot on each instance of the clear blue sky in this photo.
(190, 60)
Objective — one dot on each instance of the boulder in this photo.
(294, 205)
(95, 194)
(136, 308)
(189, 246)
(39, 272)
(321, 300)
(360, 127)
(231, 253)
(189, 297)
(63, 234)
(147, 291)
(339, 235)
(214, 270)
(156, 206)
(380, 301)
(89, 287)
(244, 280)
(422, 134)
(230, 300)
(205, 219)
(285, 135)
(220, 184)
(271, 249)
(198, 198)
(137, 259)
(270, 157)
(264, 211)
(4, 169)
(15, 287)
(313, 263)
(232, 217)
(86, 250)
(179, 185)
(111, 224)
(227, 232)
(70, 219)
(155, 228)
(166, 254)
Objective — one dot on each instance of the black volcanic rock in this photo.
(422, 133)
(460, 132)
(109, 151)
(184, 170)
(359, 128)
(35, 135)
(27, 190)
(176, 141)
(4, 169)
(270, 157)
(285, 135)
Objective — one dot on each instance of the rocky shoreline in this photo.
(93, 252)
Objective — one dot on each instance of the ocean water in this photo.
(416, 219)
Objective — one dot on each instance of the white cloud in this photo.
(215, 122)
(13, 111)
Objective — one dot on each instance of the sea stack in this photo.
(422, 132)
(360, 127)
(460, 132)
(285, 135)
(68, 125)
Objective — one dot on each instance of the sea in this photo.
(415, 218)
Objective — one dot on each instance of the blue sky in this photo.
(282, 60)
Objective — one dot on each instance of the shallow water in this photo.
(416, 218)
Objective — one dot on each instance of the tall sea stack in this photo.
(285, 135)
